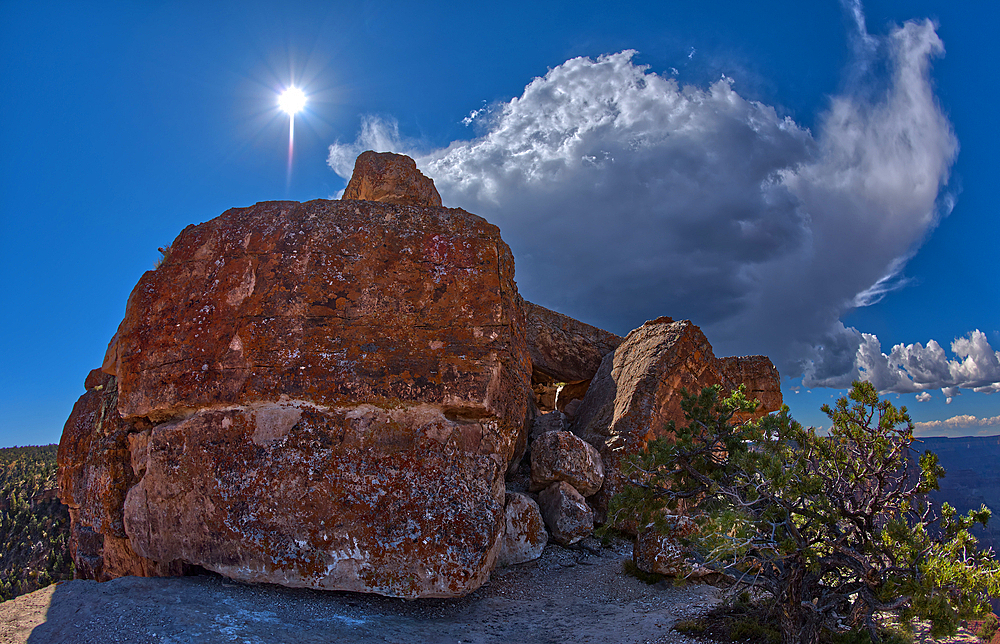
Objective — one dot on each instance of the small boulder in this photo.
(525, 536)
(656, 552)
(572, 408)
(552, 421)
(561, 456)
(566, 513)
(390, 178)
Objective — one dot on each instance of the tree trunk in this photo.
(798, 624)
(862, 615)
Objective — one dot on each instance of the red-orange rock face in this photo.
(759, 375)
(95, 474)
(323, 394)
(638, 388)
(390, 178)
(331, 302)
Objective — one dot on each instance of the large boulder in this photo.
(638, 389)
(324, 394)
(390, 178)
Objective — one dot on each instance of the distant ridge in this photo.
(972, 477)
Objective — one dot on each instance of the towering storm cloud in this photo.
(626, 195)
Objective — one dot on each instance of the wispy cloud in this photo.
(626, 195)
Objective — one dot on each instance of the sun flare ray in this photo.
(290, 101)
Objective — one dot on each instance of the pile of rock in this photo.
(338, 394)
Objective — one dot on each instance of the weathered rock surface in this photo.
(525, 536)
(390, 178)
(326, 301)
(759, 375)
(323, 394)
(519, 603)
(637, 391)
(566, 513)
(564, 349)
(562, 456)
(663, 554)
(94, 476)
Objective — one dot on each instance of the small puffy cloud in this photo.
(626, 195)
(963, 425)
(923, 396)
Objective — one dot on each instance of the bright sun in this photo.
(292, 100)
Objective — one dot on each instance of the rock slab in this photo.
(563, 349)
(519, 603)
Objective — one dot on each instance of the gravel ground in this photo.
(567, 596)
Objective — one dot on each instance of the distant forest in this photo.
(34, 525)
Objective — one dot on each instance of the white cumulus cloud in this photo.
(923, 396)
(911, 368)
(626, 195)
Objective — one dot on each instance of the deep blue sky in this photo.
(125, 122)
